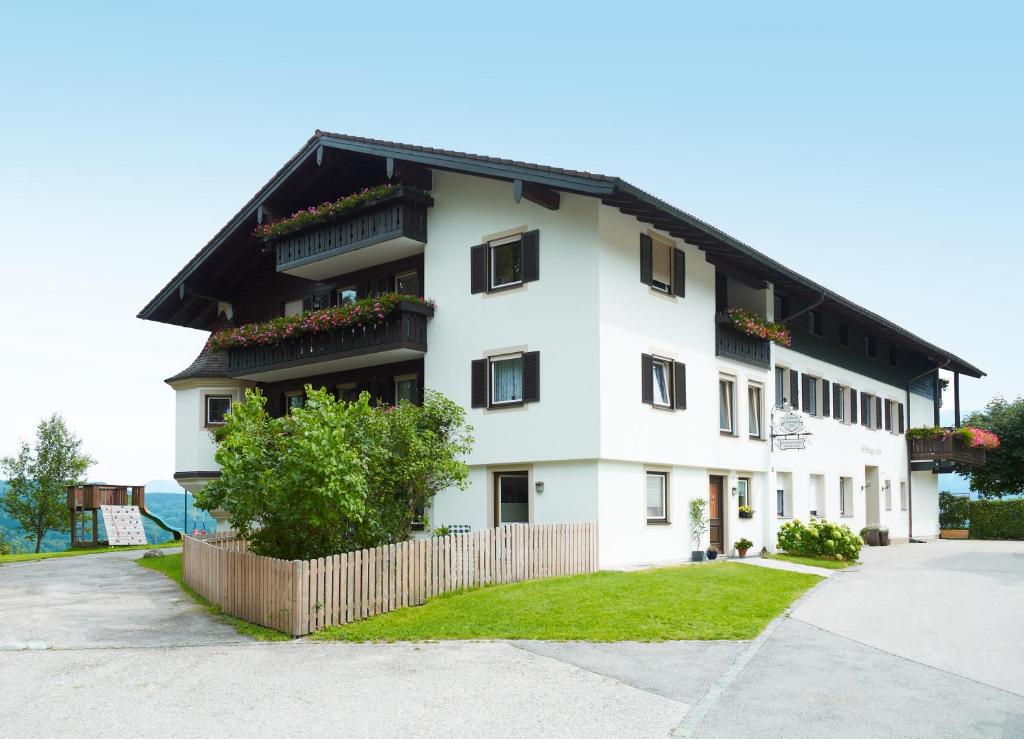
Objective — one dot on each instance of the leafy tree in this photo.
(38, 477)
(1003, 473)
(331, 476)
(6, 547)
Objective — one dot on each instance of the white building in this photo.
(580, 321)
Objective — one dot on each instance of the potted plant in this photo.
(698, 525)
(711, 553)
(883, 536)
(742, 545)
(746, 511)
(870, 534)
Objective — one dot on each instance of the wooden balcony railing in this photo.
(405, 328)
(732, 343)
(403, 214)
(94, 496)
(944, 449)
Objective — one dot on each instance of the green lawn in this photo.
(708, 601)
(31, 556)
(170, 565)
(829, 564)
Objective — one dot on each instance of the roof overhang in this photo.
(721, 248)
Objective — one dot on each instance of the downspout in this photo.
(805, 309)
(910, 471)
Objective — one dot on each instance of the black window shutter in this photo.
(478, 396)
(646, 265)
(837, 400)
(805, 388)
(825, 399)
(902, 424)
(647, 378)
(531, 256)
(679, 372)
(794, 389)
(679, 273)
(853, 405)
(478, 269)
(531, 377)
(878, 412)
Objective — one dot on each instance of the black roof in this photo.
(208, 364)
(721, 248)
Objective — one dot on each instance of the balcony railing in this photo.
(401, 216)
(732, 343)
(405, 328)
(945, 449)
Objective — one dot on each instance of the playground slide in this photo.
(174, 532)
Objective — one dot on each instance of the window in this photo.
(661, 265)
(839, 403)
(507, 379)
(506, 260)
(743, 491)
(662, 378)
(217, 409)
(870, 347)
(755, 410)
(662, 382)
(888, 415)
(293, 307)
(657, 497)
(780, 307)
(512, 497)
(419, 517)
(780, 387)
(347, 392)
(407, 283)
(845, 497)
(817, 496)
(406, 389)
(780, 503)
(811, 402)
(814, 322)
(345, 295)
(844, 334)
(894, 356)
(888, 494)
(726, 403)
(295, 399)
(867, 403)
(903, 496)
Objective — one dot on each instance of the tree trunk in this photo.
(39, 540)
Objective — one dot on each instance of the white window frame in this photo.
(813, 401)
(780, 502)
(743, 491)
(888, 494)
(339, 300)
(658, 241)
(491, 245)
(867, 411)
(843, 402)
(669, 378)
(903, 495)
(499, 475)
(755, 409)
(845, 489)
(217, 396)
(491, 361)
(780, 386)
(407, 273)
(663, 518)
(727, 383)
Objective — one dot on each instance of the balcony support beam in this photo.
(542, 196)
(409, 174)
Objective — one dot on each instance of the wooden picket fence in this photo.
(299, 597)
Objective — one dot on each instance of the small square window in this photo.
(345, 295)
(293, 307)
(217, 409)
(662, 369)
(506, 379)
(408, 283)
(814, 322)
(406, 389)
(347, 392)
(844, 334)
(894, 356)
(657, 497)
(505, 257)
(870, 347)
(294, 400)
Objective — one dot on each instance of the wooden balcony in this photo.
(402, 335)
(94, 496)
(732, 343)
(946, 449)
(396, 226)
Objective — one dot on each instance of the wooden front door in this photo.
(715, 513)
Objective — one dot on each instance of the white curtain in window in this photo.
(661, 394)
(508, 380)
(655, 496)
(754, 404)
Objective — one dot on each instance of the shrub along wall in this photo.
(997, 519)
(953, 511)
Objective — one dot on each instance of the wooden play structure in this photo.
(116, 504)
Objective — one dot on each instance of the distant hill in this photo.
(169, 507)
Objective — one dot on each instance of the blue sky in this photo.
(874, 147)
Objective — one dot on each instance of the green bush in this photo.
(820, 539)
(997, 519)
(954, 511)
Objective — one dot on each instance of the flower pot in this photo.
(871, 537)
(712, 553)
(742, 553)
(883, 537)
(697, 556)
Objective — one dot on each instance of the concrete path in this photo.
(781, 564)
(816, 673)
(99, 600)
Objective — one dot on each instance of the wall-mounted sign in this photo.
(788, 431)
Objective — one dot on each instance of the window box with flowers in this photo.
(746, 511)
(965, 445)
(745, 336)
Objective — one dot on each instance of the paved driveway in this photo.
(904, 645)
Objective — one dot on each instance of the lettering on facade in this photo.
(870, 450)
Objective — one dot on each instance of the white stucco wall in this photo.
(194, 447)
